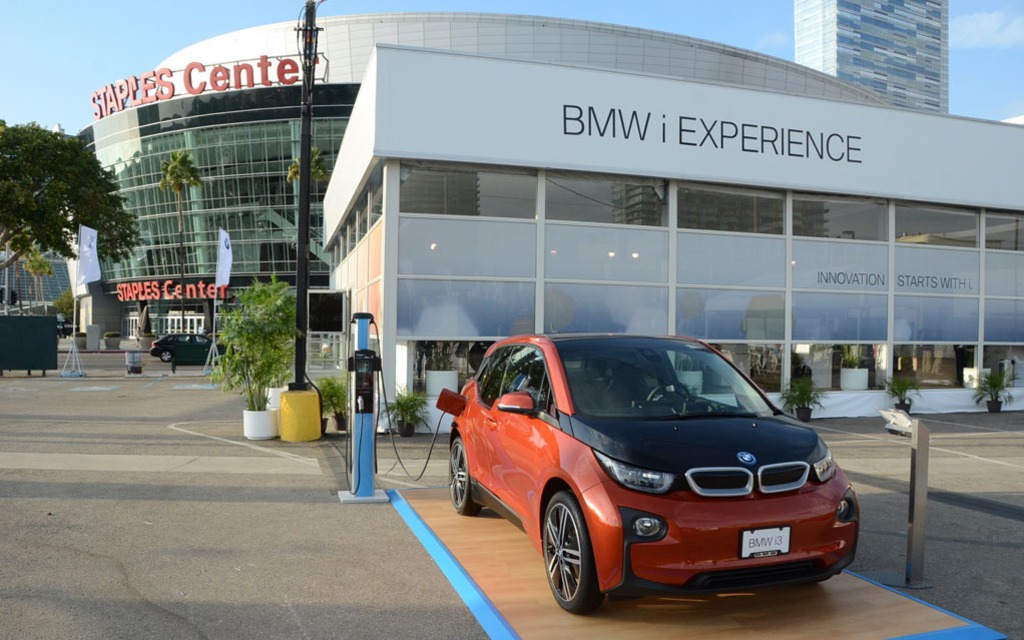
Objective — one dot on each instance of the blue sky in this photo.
(55, 54)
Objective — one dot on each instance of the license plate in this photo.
(764, 543)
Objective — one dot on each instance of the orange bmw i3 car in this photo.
(646, 466)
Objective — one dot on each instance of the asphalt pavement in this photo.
(133, 507)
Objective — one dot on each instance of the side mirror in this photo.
(519, 402)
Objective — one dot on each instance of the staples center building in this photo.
(504, 174)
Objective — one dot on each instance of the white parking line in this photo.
(275, 452)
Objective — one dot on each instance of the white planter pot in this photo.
(437, 380)
(260, 425)
(274, 397)
(853, 379)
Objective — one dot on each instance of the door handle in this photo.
(490, 422)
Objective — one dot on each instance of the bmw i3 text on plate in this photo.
(645, 466)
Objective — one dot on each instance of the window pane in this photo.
(460, 246)
(842, 367)
(1003, 230)
(1004, 274)
(618, 200)
(920, 224)
(832, 265)
(932, 319)
(466, 191)
(1004, 320)
(730, 209)
(832, 217)
(730, 315)
(935, 365)
(616, 309)
(452, 308)
(1009, 358)
(937, 270)
(839, 317)
(761, 362)
(704, 258)
(577, 252)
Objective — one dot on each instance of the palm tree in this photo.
(37, 265)
(317, 172)
(179, 172)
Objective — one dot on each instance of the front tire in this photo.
(569, 557)
(459, 480)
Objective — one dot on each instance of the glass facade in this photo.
(242, 144)
(881, 286)
(899, 48)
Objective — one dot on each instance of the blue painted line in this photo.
(973, 630)
(494, 625)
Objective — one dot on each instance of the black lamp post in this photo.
(307, 39)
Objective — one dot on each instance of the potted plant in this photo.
(146, 341)
(258, 338)
(801, 397)
(334, 395)
(441, 372)
(851, 376)
(994, 388)
(406, 411)
(900, 388)
(80, 340)
(112, 339)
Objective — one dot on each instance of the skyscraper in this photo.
(897, 48)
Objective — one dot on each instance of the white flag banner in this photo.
(88, 261)
(223, 260)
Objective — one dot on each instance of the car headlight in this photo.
(636, 478)
(825, 468)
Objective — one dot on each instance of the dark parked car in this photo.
(164, 347)
(641, 466)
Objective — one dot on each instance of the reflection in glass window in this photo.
(922, 224)
(839, 317)
(730, 209)
(934, 318)
(761, 362)
(707, 258)
(1004, 274)
(607, 199)
(604, 253)
(935, 365)
(714, 314)
(1004, 230)
(605, 308)
(465, 246)
(457, 308)
(462, 190)
(1004, 320)
(842, 367)
(1006, 358)
(821, 216)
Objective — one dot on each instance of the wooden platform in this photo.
(502, 563)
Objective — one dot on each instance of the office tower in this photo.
(897, 48)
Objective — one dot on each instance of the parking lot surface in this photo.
(134, 508)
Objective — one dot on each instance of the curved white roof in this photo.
(347, 41)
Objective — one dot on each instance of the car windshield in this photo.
(655, 379)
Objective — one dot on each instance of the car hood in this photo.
(679, 445)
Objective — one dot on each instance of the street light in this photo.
(307, 36)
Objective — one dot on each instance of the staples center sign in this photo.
(195, 78)
(169, 290)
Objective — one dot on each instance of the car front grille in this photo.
(751, 577)
(725, 482)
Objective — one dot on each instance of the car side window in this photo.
(526, 372)
(492, 374)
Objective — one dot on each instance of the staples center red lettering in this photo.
(194, 89)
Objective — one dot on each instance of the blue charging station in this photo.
(365, 363)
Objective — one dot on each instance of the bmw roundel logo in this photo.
(746, 458)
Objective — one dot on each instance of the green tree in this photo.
(179, 172)
(49, 185)
(317, 171)
(39, 267)
(65, 304)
